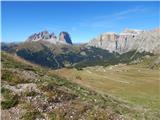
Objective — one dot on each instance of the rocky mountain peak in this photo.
(63, 38)
(129, 39)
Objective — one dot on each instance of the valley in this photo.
(135, 83)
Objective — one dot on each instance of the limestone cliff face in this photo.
(148, 41)
(128, 40)
(105, 41)
(63, 38)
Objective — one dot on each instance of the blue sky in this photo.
(83, 20)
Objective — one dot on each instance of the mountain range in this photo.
(109, 48)
(128, 40)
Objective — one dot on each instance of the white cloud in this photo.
(129, 11)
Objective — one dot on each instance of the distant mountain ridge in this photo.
(128, 40)
(108, 49)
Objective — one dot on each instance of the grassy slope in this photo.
(78, 56)
(84, 101)
(71, 100)
(136, 84)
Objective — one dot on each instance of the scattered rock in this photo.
(14, 113)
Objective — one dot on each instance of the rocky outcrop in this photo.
(148, 41)
(128, 40)
(112, 41)
(105, 41)
(63, 38)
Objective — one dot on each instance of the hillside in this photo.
(34, 92)
(30, 92)
(61, 55)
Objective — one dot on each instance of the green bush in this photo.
(6, 75)
(6, 93)
(10, 102)
(32, 93)
(52, 116)
(12, 78)
(31, 113)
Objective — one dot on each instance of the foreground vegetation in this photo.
(31, 92)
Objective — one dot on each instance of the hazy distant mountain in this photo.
(128, 40)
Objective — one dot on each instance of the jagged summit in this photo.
(63, 37)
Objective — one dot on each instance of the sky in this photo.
(82, 20)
